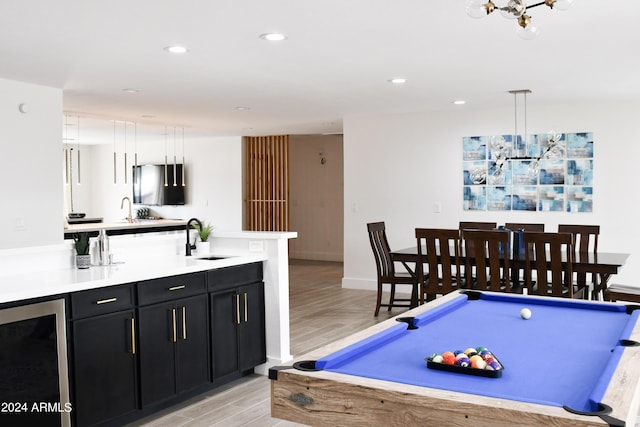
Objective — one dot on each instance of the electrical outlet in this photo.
(256, 246)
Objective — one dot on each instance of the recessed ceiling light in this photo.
(398, 80)
(242, 108)
(176, 49)
(130, 90)
(273, 37)
(148, 116)
(460, 102)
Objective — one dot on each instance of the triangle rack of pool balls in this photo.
(477, 361)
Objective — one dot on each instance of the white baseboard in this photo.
(355, 283)
(317, 256)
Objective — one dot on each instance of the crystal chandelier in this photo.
(514, 9)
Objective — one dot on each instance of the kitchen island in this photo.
(152, 284)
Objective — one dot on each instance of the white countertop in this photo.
(26, 285)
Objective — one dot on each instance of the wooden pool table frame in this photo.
(325, 398)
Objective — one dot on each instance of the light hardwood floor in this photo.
(321, 312)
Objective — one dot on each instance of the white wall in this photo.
(31, 147)
(398, 166)
(213, 176)
(316, 196)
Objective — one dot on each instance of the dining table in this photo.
(602, 264)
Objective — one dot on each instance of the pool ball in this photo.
(525, 313)
(487, 356)
(461, 355)
(478, 364)
(435, 357)
(475, 357)
(493, 366)
(463, 362)
(449, 359)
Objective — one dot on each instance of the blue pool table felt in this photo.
(564, 355)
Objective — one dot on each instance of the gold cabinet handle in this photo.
(184, 323)
(237, 319)
(175, 332)
(176, 288)
(133, 335)
(106, 301)
(246, 308)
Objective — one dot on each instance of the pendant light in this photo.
(175, 166)
(115, 181)
(183, 164)
(135, 154)
(78, 149)
(71, 175)
(125, 152)
(166, 179)
(66, 151)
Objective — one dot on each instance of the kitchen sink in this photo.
(213, 257)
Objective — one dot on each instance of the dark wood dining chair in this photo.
(517, 275)
(435, 245)
(386, 270)
(490, 258)
(468, 273)
(550, 257)
(470, 225)
(526, 226)
(585, 241)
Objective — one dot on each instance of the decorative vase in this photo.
(202, 247)
(83, 261)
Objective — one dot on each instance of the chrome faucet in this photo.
(189, 246)
(129, 218)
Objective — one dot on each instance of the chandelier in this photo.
(514, 9)
(548, 146)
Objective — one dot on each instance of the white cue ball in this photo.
(525, 313)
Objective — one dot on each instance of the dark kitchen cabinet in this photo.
(139, 348)
(237, 320)
(105, 355)
(174, 337)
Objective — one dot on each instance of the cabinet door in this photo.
(158, 335)
(224, 337)
(192, 349)
(251, 333)
(105, 352)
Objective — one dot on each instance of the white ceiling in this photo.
(336, 62)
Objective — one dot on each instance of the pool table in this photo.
(573, 362)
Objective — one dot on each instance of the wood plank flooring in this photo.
(321, 312)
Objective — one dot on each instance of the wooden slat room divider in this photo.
(267, 181)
